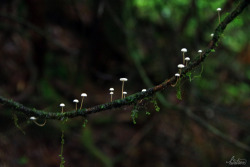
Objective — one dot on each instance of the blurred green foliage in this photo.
(89, 145)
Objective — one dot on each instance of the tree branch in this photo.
(132, 99)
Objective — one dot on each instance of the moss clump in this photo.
(157, 108)
(178, 93)
(134, 115)
(85, 123)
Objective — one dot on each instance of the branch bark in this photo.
(132, 99)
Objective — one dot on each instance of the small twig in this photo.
(216, 131)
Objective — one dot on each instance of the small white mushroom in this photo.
(124, 94)
(123, 80)
(212, 35)
(83, 95)
(180, 66)
(111, 89)
(177, 75)
(200, 51)
(183, 50)
(187, 59)
(76, 101)
(177, 78)
(143, 90)
(62, 105)
(32, 118)
(219, 9)
(111, 94)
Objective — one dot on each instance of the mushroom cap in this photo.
(177, 74)
(111, 89)
(143, 90)
(184, 50)
(75, 101)
(218, 9)
(111, 93)
(125, 93)
(180, 66)
(200, 51)
(84, 95)
(187, 59)
(32, 118)
(212, 35)
(123, 79)
(62, 105)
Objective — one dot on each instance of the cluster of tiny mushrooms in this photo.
(123, 94)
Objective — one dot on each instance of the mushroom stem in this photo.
(81, 102)
(187, 59)
(183, 57)
(111, 95)
(62, 105)
(123, 80)
(38, 123)
(175, 82)
(83, 95)
(76, 101)
(122, 88)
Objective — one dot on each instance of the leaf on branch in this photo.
(178, 93)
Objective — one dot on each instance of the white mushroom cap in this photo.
(32, 118)
(143, 90)
(125, 93)
(180, 66)
(177, 74)
(84, 94)
(62, 105)
(111, 89)
(187, 59)
(123, 79)
(212, 35)
(111, 93)
(75, 101)
(184, 50)
(218, 9)
(199, 51)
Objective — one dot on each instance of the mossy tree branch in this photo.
(132, 99)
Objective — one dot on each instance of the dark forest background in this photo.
(52, 51)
